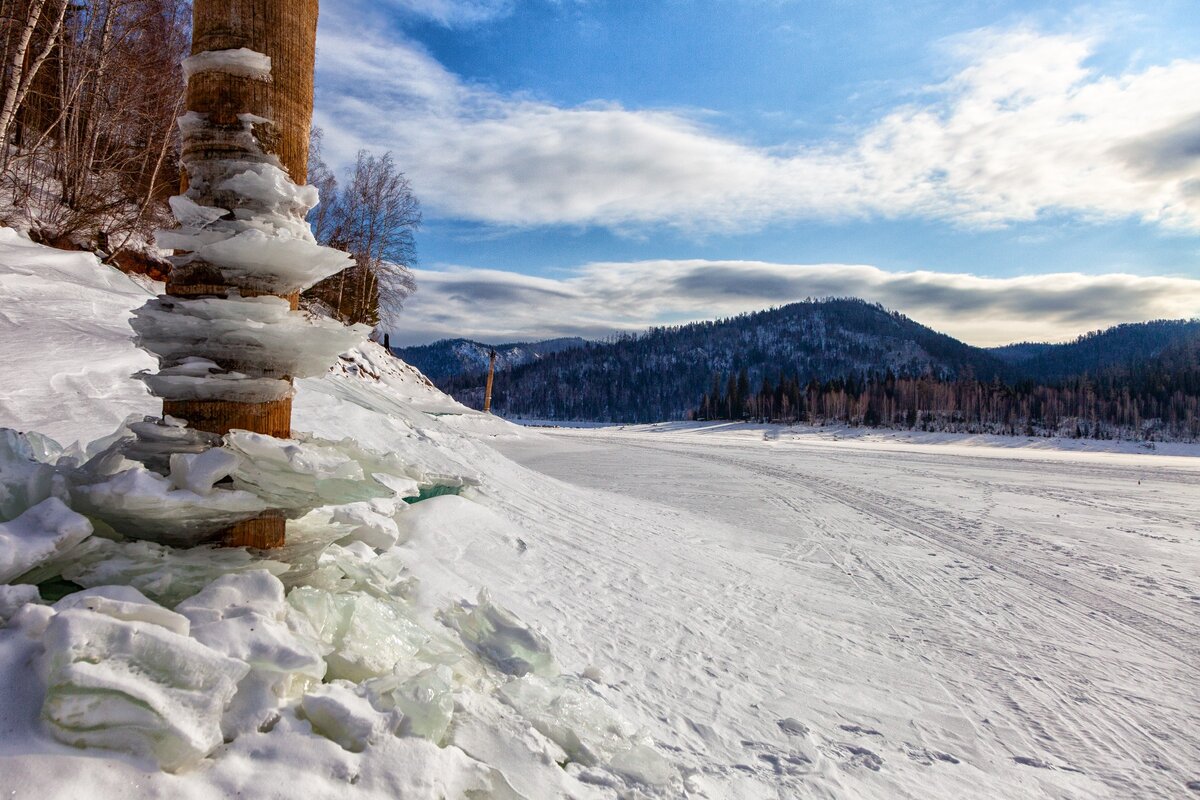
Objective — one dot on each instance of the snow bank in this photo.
(350, 657)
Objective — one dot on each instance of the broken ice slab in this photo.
(245, 616)
(500, 637)
(574, 715)
(142, 504)
(341, 712)
(356, 567)
(366, 636)
(125, 603)
(12, 598)
(426, 700)
(197, 472)
(165, 574)
(37, 536)
(305, 472)
(136, 687)
(25, 477)
(371, 523)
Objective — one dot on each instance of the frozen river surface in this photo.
(824, 618)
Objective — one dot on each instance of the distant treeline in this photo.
(1150, 403)
(847, 361)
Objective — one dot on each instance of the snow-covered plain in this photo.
(732, 611)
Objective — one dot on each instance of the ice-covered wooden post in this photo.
(227, 333)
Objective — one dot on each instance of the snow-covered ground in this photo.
(731, 611)
(944, 620)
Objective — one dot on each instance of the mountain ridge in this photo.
(662, 373)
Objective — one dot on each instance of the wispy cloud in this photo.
(1022, 129)
(600, 298)
(454, 13)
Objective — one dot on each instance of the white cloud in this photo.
(1024, 128)
(600, 298)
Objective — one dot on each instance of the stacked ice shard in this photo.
(242, 247)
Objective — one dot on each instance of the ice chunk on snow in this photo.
(366, 636)
(245, 617)
(198, 472)
(357, 567)
(643, 764)
(426, 700)
(38, 535)
(341, 712)
(13, 597)
(499, 637)
(125, 603)
(24, 480)
(574, 715)
(144, 505)
(136, 687)
(369, 523)
(242, 62)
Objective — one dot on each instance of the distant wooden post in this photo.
(285, 30)
(487, 395)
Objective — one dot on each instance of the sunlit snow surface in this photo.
(716, 611)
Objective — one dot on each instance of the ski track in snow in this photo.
(925, 623)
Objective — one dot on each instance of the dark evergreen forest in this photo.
(848, 361)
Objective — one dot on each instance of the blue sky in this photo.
(1002, 171)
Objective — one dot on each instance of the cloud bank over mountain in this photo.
(599, 298)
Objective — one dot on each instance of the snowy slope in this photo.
(737, 617)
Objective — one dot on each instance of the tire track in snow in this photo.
(1054, 719)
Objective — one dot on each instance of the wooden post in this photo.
(286, 31)
(487, 395)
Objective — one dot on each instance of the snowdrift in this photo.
(367, 653)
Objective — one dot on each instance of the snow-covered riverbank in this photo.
(704, 611)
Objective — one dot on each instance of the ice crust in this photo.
(165, 574)
(305, 472)
(157, 479)
(145, 505)
(236, 348)
(242, 61)
(243, 231)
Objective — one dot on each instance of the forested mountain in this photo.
(660, 374)
(456, 357)
(1097, 351)
(852, 361)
